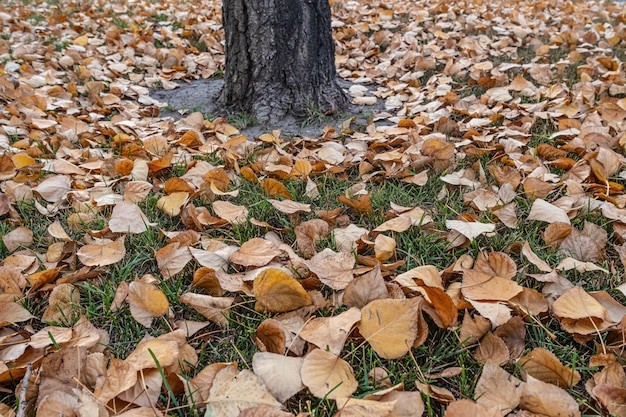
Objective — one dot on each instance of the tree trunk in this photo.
(280, 57)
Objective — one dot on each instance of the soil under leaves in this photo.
(460, 251)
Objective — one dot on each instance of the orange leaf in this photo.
(274, 188)
(278, 292)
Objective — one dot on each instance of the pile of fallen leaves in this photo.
(466, 87)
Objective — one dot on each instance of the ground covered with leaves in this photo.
(460, 254)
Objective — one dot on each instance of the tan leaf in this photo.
(119, 377)
(18, 237)
(534, 259)
(216, 256)
(481, 286)
(330, 333)
(128, 218)
(491, 349)
(498, 313)
(327, 376)
(612, 397)
(356, 407)
(56, 231)
(384, 248)
(579, 312)
(506, 214)
(207, 279)
(277, 292)
(332, 268)
(498, 389)
(146, 301)
(308, 234)
(216, 309)
(120, 296)
(172, 259)
(470, 230)
(280, 373)
(233, 391)
(390, 326)
(274, 188)
(171, 204)
(230, 212)
(12, 313)
(264, 411)
(365, 288)
(473, 329)
(467, 408)
(136, 191)
(54, 189)
(255, 252)
(545, 366)
(102, 254)
(547, 399)
(543, 211)
(290, 207)
(63, 305)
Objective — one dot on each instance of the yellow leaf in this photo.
(390, 326)
(146, 301)
(171, 204)
(278, 292)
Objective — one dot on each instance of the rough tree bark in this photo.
(280, 57)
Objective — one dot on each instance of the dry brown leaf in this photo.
(172, 259)
(308, 234)
(332, 268)
(280, 373)
(384, 248)
(146, 301)
(578, 312)
(390, 326)
(232, 213)
(102, 254)
(478, 285)
(63, 305)
(128, 218)
(365, 288)
(233, 391)
(277, 292)
(216, 309)
(545, 366)
(172, 204)
(255, 252)
(18, 237)
(273, 188)
(546, 399)
(290, 207)
(498, 389)
(491, 350)
(330, 333)
(467, 408)
(327, 376)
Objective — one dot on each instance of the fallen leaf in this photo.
(280, 373)
(390, 326)
(215, 309)
(470, 230)
(332, 268)
(277, 292)
(327, 376)
(102, 254)
(545, 366)
(146, 301)
(498, 389)
(330, 333)
(128, 218)
(547, 399)
(255, 252)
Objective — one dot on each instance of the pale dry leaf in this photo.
(216, 309)
(146, 301)
(233, 391)
(54, 189)
(480, 286)
(230, 212)
(128, 218)
(545, 366)
(365, 288)
(102, 254)
(390, 326)
(172, 204)
(327, 376)
(172, 259)
(255, 252)
(346, 238)
(547, 399)
(384, 248)
(333, 269)
(18, 237)
(289, 206)
(543, 211)
(467, 408)
(330, 333)
(498, 389)
(470, 230)
(280, 373)
(534, 259)
(579, 312)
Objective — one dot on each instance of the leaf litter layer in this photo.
(460, 253)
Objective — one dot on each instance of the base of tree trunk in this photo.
(280, 58)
